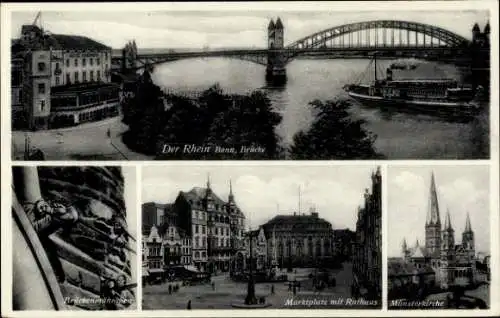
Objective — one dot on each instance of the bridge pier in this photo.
(276, 69)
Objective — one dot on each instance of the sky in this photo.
(197, 29)
(335, 191)
(460, 189)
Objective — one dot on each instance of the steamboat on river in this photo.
(440, 97)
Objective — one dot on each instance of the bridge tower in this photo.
(480, 56)
(276, 70)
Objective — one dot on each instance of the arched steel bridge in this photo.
(389, 37)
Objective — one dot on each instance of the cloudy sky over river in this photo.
(244, 25)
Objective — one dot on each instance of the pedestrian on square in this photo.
(170, 289)
(189, 305)
(272, 289)
(213, 285)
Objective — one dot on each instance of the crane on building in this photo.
(38, 20)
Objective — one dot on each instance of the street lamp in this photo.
(250, 298)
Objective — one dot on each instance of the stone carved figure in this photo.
(71, 241)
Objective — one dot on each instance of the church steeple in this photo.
(231, 196)
(468, 237)
(447, 223)
(468, 227)
(448, 247)
(433, 208)
(208, 195)
(279, 24)
(271, 25)
(433, 222)
(404, 247)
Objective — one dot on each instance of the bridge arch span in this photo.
(321, 38)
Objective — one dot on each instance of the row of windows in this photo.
(84, 76)
(197, 229)
(155, 251)
(223, 254)
(197, 242)
(155, 264)
(174, 250)
(197, 254)
(220, 219)
(42, 66)
(223, 230)
(200, 215)
(84, 62)
(299, 249)
(221, 242)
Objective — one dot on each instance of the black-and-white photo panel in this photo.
(248, 83)
(73, 238)
(248, 237)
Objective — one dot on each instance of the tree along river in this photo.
(399, 135)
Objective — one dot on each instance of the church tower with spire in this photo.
(447, 251)
(230, 198)
(209, 198)
(433, 223)
(468, 238)
(404, 249)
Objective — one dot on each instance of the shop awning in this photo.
(155, 270)
(191, 268)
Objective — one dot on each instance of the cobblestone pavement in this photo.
(228, 292)
(88, 141)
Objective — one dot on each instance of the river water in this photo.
(399, 136)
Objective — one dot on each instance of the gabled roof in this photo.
(418, 252)
(77, 42)
(299, 222)
(197, 196)
(64, 41)
(296, 219)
